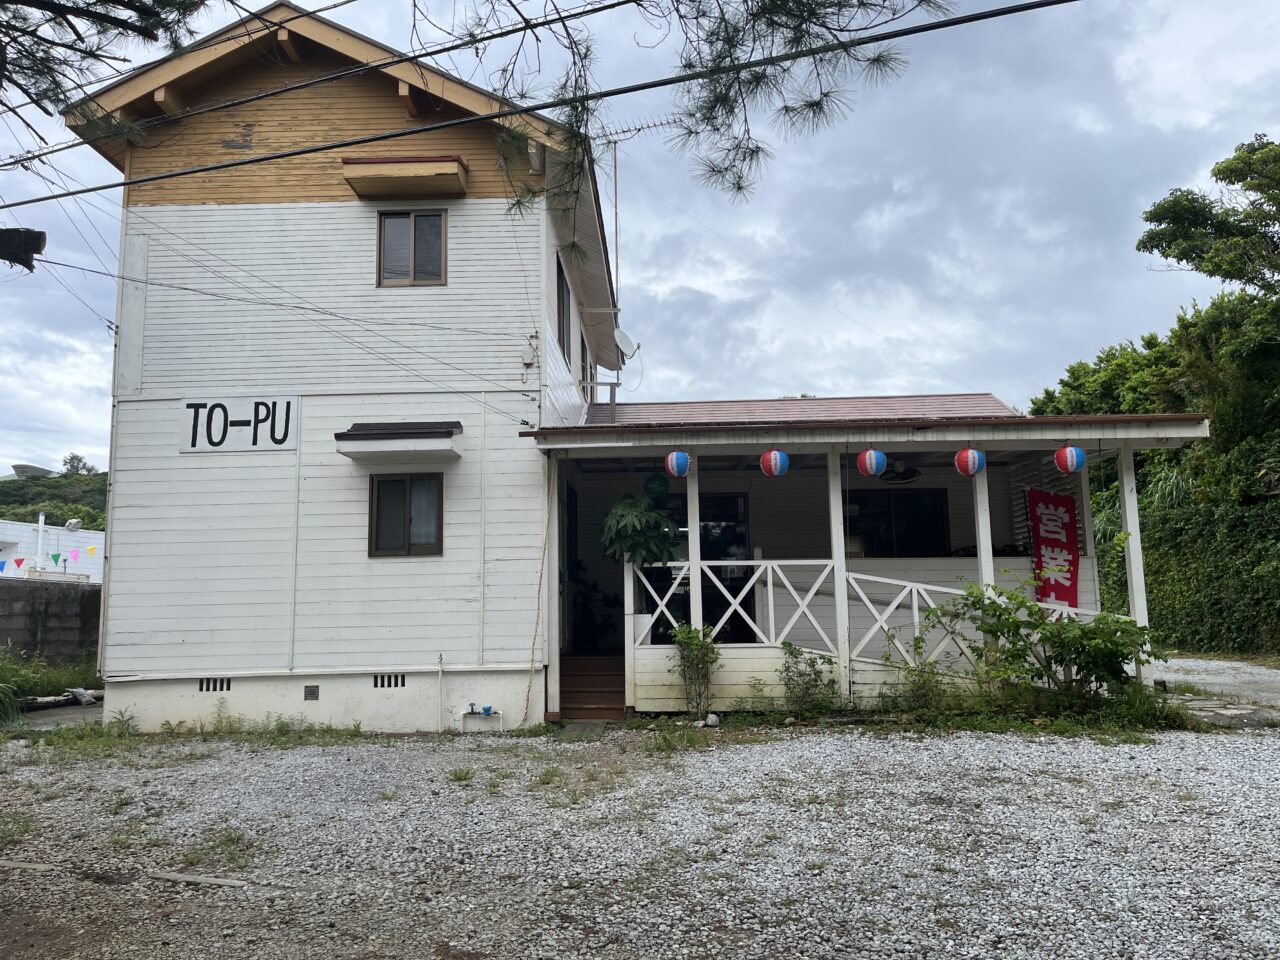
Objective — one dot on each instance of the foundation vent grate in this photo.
(215, 684)
(311, 691)
(388, 680)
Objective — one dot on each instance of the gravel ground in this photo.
(805, 844)
(1247, 681)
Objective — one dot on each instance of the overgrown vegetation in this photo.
(696, 658)
(35, 677)
(1210, 513)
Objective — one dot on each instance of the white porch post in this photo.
(1133, 568)
(551, 586)
(629, 631)
(835, 508)
(1086, 514)
(982, 519)
(695, 544)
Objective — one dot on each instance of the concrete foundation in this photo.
(400, 702)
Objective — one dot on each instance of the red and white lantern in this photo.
(970, 462)
(1069, 459)
(872, 462)
(774, 463)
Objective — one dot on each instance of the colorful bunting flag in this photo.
(2, 563)
(17, 562)
(75, 556)
(55, 557)
(91, 549)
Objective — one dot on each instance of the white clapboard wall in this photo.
(252, 556)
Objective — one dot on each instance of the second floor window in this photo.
(412, 248)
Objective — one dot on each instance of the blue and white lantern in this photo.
(872, 463)
(774, 463)
(678, 463)
(970, 462)
(1069, 459)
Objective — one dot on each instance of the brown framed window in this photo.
(588, 391)
(406, 514)
(564, 313)
(413, 248)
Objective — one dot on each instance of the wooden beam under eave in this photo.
(288, 45)
(169, 100)
(406, 97)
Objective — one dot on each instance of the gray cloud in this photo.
(968, 226)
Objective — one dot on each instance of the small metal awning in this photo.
(405, 440)
(405, 177)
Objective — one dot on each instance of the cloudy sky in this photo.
(969, 226)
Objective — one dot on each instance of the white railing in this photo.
(896, 609)
(887, 616)
(795, 600)
(785, 599)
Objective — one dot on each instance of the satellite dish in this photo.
(626, 346)
(73, 525)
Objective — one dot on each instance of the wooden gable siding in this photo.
(467, 335)
(351, 107)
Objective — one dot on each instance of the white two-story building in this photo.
(356, 470)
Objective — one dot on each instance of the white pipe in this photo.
(440, 691)
(40, 542)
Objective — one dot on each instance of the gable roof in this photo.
(282, 22)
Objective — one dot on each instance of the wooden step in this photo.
(593, 713)
(589, 666)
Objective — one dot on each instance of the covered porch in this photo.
(835, 562)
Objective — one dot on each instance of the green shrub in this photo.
(1016, 642)
(636, 530)
(809, 686)
(697, 656)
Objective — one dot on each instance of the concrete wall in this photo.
(56, 621)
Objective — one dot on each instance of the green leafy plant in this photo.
(809, 686)
(636, 530)
(696, 658)
(1015, 641)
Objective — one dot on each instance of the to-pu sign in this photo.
(239, 424)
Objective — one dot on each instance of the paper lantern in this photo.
(774, 463)
(677, 463)
(1069, 459)
(872, 463)
(970, 462)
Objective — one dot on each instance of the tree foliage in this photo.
(1234, 235)
(48, 48)
(61, 498)
(717, 119)
(1210, 513)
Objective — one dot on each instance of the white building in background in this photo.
(357, 470)
(80, 554)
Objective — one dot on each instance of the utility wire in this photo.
(519, 111)
(357, 70)
(305, 307)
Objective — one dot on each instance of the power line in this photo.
(306, 307)
(518, 111)
(203, 45)
(381, 64)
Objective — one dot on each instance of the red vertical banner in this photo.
(1055, 547)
